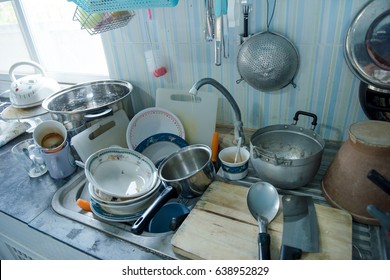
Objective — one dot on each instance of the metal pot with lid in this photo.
(287, 156)
(85, 102)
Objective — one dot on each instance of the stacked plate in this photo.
(122, 183)
(155, 133)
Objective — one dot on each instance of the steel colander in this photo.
(267, 61)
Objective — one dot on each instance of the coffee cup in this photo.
(234, 170)
(29, 158)
(50, 136)
(60, 164)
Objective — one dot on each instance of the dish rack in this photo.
(100, 6)
(96, 23)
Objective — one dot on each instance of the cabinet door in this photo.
(18, 241)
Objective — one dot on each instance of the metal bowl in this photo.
(76, 105)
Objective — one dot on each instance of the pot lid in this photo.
(367, 45)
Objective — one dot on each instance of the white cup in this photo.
(50, 136)
(231, 170)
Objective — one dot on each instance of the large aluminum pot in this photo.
(287, 156)
(187, 173)
(85, 102)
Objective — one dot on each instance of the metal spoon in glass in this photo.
(263, 203)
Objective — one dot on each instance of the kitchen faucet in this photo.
(238, 129)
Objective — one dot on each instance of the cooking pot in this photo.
(187, 173)
(345, 184)
(287, 156)
(30, 90)
(375, 102)
(85, 102)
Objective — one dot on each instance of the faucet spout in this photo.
(238, 126)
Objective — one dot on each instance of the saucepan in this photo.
(187, 173)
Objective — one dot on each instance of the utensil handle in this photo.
(379, 180)
(314, 116)
(290, 253)
(141, 223)
(264, 241)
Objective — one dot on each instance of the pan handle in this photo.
(142, 222)
(314, 116)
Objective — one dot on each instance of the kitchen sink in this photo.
(64, 203)
(369, 242)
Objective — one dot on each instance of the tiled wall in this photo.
(325, 84)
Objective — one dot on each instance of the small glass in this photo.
(29, 158)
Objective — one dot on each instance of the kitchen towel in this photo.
(11, 130)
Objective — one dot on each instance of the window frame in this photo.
(62, 78)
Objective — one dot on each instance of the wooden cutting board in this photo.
(221, 227)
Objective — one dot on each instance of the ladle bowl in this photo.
(263, 203)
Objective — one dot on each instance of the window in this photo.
(44, 31)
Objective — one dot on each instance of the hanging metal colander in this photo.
(267, 61)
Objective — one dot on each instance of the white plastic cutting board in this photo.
(198, 115)
(103, 134)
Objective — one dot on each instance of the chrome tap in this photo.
(238, 126)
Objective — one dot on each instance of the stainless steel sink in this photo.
(369, 242)
(64, 203)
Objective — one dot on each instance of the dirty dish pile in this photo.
(122, 182)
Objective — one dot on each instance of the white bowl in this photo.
(130, 208)
(103, 198)
(121, 173)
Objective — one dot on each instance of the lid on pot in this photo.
(373, 133)
(367, 46)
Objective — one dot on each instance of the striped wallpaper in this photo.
(325, 84)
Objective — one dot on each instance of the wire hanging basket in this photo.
(96, 6)
(96, 23)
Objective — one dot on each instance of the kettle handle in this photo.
(31, 63)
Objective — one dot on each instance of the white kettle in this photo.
(30, 90)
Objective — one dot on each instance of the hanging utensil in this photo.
(263, 203)
(218, 32)
(225, 29)
(246, 9)
(267, 61)
(209, 27)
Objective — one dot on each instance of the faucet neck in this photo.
(238, 124)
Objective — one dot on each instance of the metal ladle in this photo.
(263, 203)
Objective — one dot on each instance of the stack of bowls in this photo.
(122, 183)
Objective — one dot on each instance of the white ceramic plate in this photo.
(121, 172)
(159, 146)
(152, 121)
(102, 214)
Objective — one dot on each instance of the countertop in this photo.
(29, 201)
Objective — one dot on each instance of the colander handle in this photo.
(314, 116)
(31, 63)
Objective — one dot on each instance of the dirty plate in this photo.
(152, 121)
(159, 146)
(98, 211)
